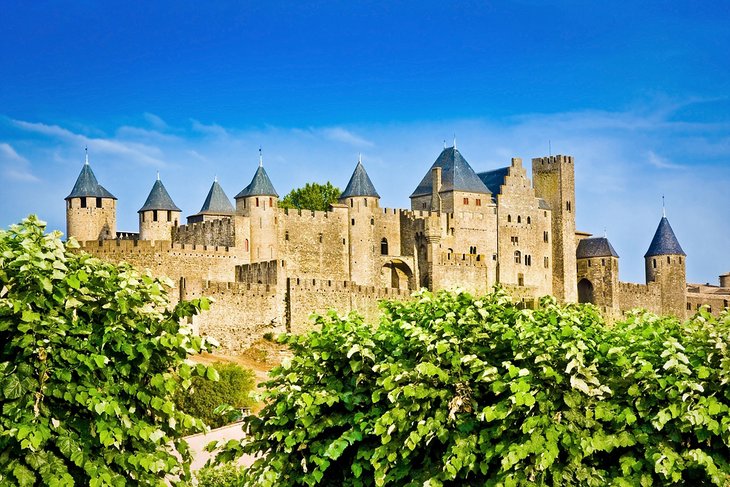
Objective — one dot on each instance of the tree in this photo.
(204, 396)
(452, 390)
(90, 356)
(313, 196)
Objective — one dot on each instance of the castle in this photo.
(268, 268)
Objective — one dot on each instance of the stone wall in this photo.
(220, 232)
(91, 218)
(646, 296)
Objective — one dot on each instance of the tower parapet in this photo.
(597, 264)
(91, 210)
(259, 201)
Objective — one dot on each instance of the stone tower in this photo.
(159, 214)
(598, 274)
(665, 264)
(554, 181)
(361, 200)
(91, 210)
(259, 201)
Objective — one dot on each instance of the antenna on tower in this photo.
(664, 209)
(261, 158)
(86, 150)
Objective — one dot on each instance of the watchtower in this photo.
(597, 264)
(259, 201)
(91, 210)
(159, 214)
(665, 263)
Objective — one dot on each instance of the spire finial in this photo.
(605, 232)
(454, 141)
(158, 175)
(86, 150)
(444, 143)
(359, 157)
(261, 158)
(215, 178)
(664, 209)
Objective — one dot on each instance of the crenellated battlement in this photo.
(462, 260)
(220, 232)
(547, 163)
(132, 247)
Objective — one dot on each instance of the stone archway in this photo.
(585, 291)
(396, 274)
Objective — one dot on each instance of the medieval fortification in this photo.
(269, 268)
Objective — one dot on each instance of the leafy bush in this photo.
(313, 196)
(90, 353)
(204, 396)
(221, 476)
(452, 390)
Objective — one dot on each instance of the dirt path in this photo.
(197, 444)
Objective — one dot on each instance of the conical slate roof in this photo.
(456, 175)
(595, 247)
(260, 185)
(87, 185)
(158, 199)
(217, 202)
(664, 241)
(360, 184)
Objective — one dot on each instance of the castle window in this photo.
(83, 202)
(98, 202)
(520, 279)
(366, 202)
(271, 202)
(669, 260)
(528, 260)
(169, 215)
(352, 203)
(518, 257)
(343, 242)
(509, 218)
(529, 220)
(567, 205)
(544, 213)
(257, 202)
(141, 216)
(286, 235)
(654, 263)
(175, 222)
(544, 237)
(244, 203)
(372, 221)
(589, 262)
(384, 246)
(494, 256)
(479, 202)
(320, 238)
(546, 262)
(680, 260)
(603, 262)
(519, 219)
(245, 246)
(689, 306)
(353, 221)
(424, 205)
(466, 201)
(154, 215)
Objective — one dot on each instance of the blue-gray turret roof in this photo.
(158, 199)
(360, 184)
(87, 185)
(456, 175)
(494, 180)
(217, 202)
(595, 247)
(664, 241)
(260, 185)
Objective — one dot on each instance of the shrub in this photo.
(221, 476)
(205, 396)
(90, 353)
(452, 390)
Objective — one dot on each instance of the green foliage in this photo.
(90, 354)
(232, 389)
(313, 196)
(452, 390)
(221, 476)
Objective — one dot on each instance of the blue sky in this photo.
(638, 92)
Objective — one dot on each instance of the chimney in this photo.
(436, 188)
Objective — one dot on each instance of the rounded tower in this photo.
(362, 200)
(91, 210)
(665, 264)
(597, 264)
(259, 201)
(159, 214)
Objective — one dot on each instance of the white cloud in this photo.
(339, 134)
(15, 167)
(660, 162)
(155, 121)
